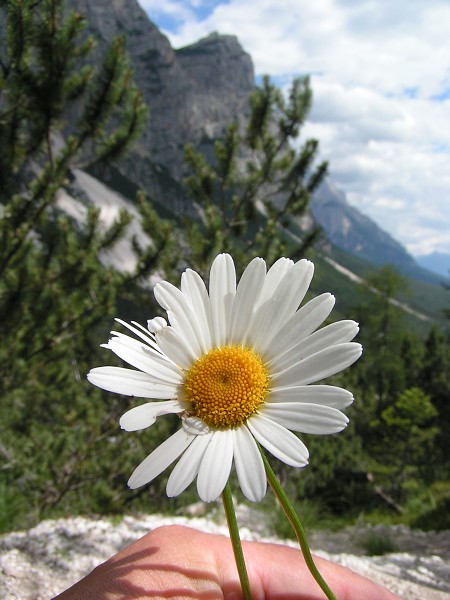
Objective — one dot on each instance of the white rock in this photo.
(42, 562)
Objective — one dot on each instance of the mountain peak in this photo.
(351, 230)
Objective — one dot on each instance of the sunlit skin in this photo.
(183, 563)
(226, 385)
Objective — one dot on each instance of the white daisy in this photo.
(236, 365)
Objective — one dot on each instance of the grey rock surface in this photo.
(193, 92)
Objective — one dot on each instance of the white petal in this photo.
(318, 366)
(271, 282)
(160, 458)
(326, 395)
(145, 415)
(195, 425)
(280, 442)
(306, 320)
(139, 331)
(283, 303)
(177, 305)
(274, 275)
(186, 469)
(156, 325)
(144, 358)
(249, 465)
(306, 418)
(215, 467)
(131, 383)
(193, 287)
(247, 294)
(331, 335)
(174, 346)
(222, 289)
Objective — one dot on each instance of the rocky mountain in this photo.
(193, 93)
(350, 230)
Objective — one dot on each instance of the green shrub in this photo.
(376, 542)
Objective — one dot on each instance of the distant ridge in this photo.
(349, 229)
(438, 262)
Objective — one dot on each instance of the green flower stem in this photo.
(236, 542)
(296, 525)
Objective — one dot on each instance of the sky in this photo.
(380, 75)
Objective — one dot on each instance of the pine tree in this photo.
(56, 297)
(405, 436)
(381, 369)
(434, 380)
(249, 195)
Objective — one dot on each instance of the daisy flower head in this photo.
(236, 363)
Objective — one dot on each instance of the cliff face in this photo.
(192, 92)
(221, 77)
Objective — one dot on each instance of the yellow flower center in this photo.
(226, 385)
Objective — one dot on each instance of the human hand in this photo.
(179, 562)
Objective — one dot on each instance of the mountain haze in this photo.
(438, 262)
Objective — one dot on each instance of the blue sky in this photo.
(380, 73)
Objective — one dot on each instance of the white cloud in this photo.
(381, 82)
(390, 202)
(170, 8)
